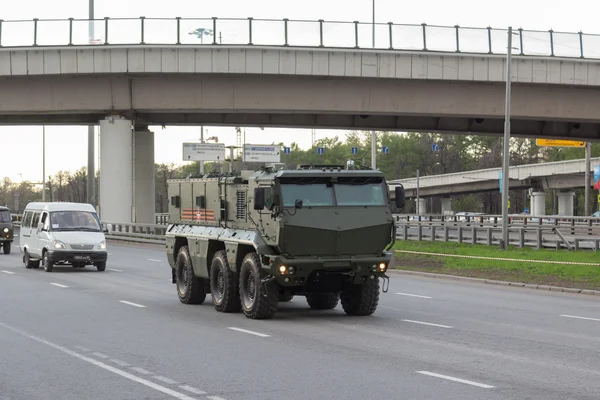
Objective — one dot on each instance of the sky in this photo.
(66, 146)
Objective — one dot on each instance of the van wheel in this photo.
(29, 263)
(6, 248)
(101, 266)
(48, 265)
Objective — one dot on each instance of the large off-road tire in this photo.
(6, 247)
(29, 263)
(48, 265)
(190, 288)
(323, 301)
(223, 286)
(259, 301)
(285, 297)
(361, 299)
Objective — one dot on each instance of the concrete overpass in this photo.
(129, 86)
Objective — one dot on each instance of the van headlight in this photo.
(59, 245)
(101, 245)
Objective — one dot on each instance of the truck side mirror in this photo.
(259, 198)
(298, 203)
(400, 196)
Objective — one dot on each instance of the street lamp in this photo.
(201, 32)
(373, 133)
(506, 144)
(44, 163)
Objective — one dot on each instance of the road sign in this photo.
(599, 198)
(203, 151)
(385, 149)
(526, 210)
(355, 150)
(262, 153)
(596, 173)
(500, 181)
(287, 150)
(558, 143)
(320, 151)
(435, 147)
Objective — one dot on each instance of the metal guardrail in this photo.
(294, 33)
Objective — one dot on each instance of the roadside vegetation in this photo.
(526, 265)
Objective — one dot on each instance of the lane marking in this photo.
(166, 380)
(155, 260)
(131, 304)
(575, 316)
(191, 389)
(59, 285)
(248, 332)
(414, 295)
(451, 378)
(119, 362)
(99, 364)
(427, 323)
(141, 370)
(8, 272)
(100, 355)
(82, 348)
(215, 398)
(114, 269)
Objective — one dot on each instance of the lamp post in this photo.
(91, 170)
(506, 144)
(44, 163)
(373, 133)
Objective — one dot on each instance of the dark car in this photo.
(6, 229)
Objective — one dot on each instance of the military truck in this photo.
(6, 230)
(256, 238)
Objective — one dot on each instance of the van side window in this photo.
(44, 220)
(35, 220)
(27, 219)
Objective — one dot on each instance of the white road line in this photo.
(191, 389)
(99, 364)
(110, 254)
(414, 295)
(100, 355)
(131, 304)
(114, 269)
(427, 323)
(59, 285)
(451, 378)
(155, 260)
(141, 370)
(248, 332)
(119, 362)
(575, 316)
(214, 398)
(166, 380)
(8, 272)
(82, 348)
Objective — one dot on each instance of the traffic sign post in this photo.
(558, 143)
(262, 153)
(203, 151)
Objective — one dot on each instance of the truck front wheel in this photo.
(223, 287)
(6, 248)
(361, 299)
(190, 288)
(258, 298)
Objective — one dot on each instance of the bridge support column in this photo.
(145, 176)
(422, 206)
(538, 203)
(446, 206)
(116, 170)
(565, 203)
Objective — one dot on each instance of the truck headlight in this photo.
(102, 245)
(59, 245)
(284, 270)
(5, 230)
(382, 267)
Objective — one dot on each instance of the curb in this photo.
(494, 282)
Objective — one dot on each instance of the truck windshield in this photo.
(74, 221)
(322, 195)
(4, 216)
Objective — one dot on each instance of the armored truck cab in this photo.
(262, 237)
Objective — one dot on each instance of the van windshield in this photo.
(4, 216)
(74, 221)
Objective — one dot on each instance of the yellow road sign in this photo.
(558, 143)
(599, 198)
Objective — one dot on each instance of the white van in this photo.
(62, 233)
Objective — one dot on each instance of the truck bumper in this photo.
(88, 257)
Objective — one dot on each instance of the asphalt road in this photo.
(123, 334)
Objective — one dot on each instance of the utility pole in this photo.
(506, 145)
(418, 202)
(373, 133)
(202, 141)
(91, 170)
(44, 163)
(588, 156)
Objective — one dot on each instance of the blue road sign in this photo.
(385, 150)
(355, 150)
(596, 173)
(287, 150)
(526, 210)
(320, 151)
(500, 181)
(435, 147)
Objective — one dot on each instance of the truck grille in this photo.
(82, 246)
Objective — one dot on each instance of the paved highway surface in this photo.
(123, 334)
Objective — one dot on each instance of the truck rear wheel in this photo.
(190, 288)
(6, 248)
(258, 300)
(361, 299)
(323, 301)
(223, 287)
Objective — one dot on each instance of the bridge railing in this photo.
(295, 33)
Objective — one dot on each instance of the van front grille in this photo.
(82, 246)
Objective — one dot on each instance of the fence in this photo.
(294, 33)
